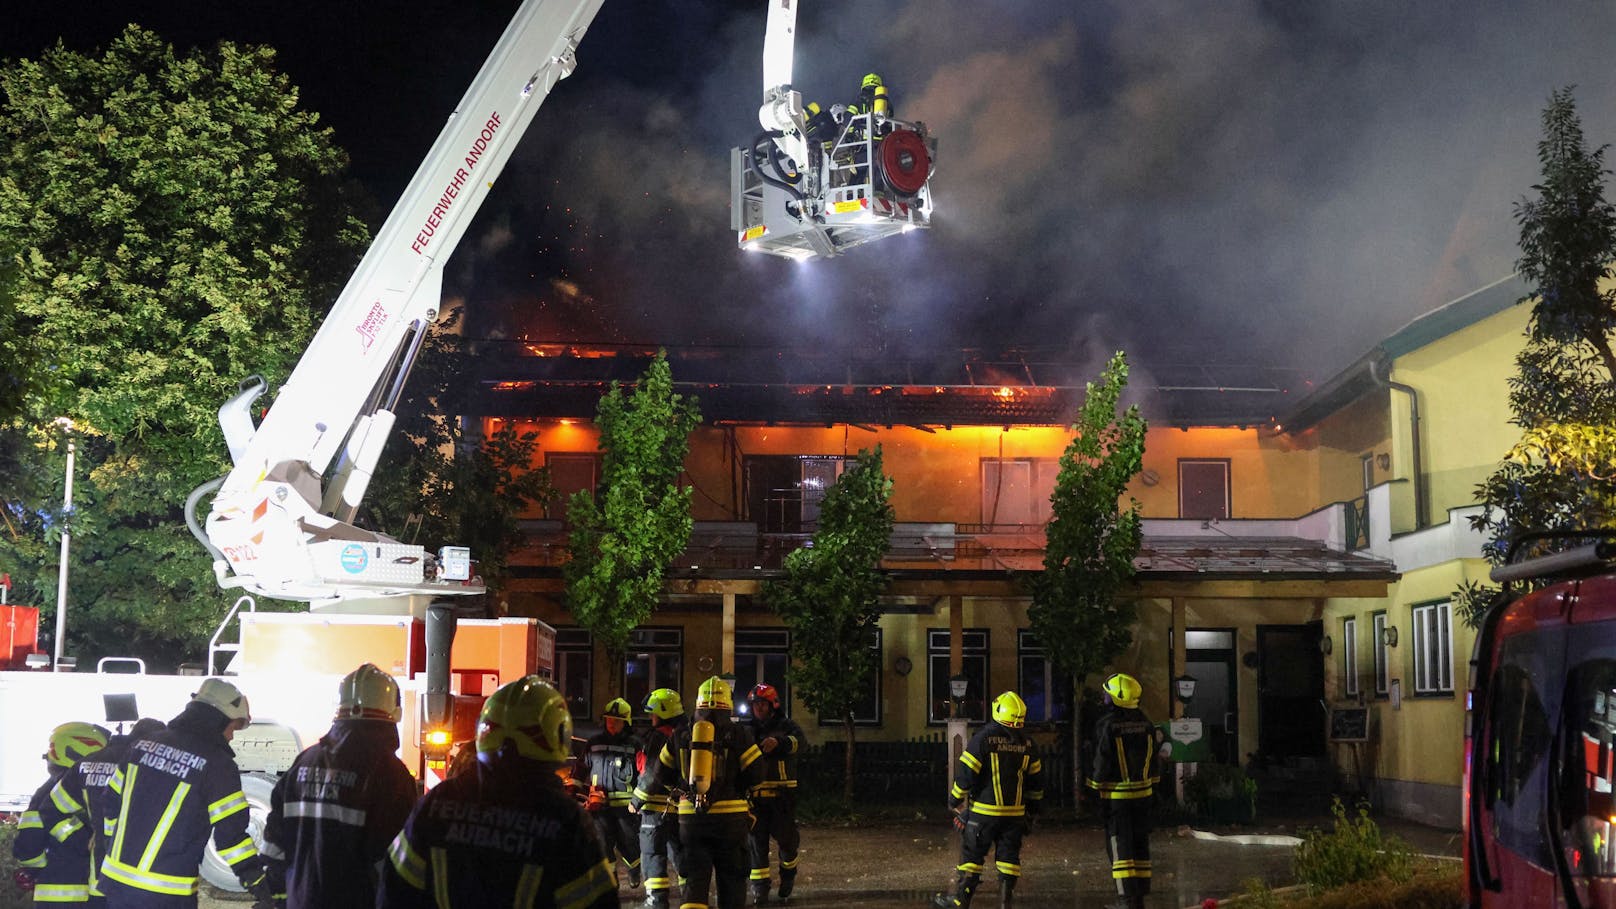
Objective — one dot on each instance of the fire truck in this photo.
(1540, 742)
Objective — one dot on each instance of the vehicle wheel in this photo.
(215, 871)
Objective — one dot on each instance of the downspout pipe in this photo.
(1421, 519)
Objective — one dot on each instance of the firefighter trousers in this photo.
(659, 850)
(619, 835)
(1001, 834)
(713, 846)
(1127, 842)
(777, 820)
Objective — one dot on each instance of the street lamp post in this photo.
(61, 577)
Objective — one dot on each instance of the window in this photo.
(1383, 685)
(570, 472)
(1018, 490)
(1047, 690)
(974, 666)
(1588, 780)
(762, 655)
(1349, 656)
(1433, 649)
(783, 492)
(1367, 466)
(1203, 489)
(867, 710)
(575, 661)
(655, 660)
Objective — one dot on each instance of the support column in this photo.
(726, 663)
(1180, 658)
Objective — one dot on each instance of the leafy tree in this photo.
(166, 221)
(828, 595)
(1091, 540)
(624, 535)
(1562, 473)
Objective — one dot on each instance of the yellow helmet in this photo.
(1010, 710)
(225, 698)
(664, 704)
(714, 695)
(1124, 690)
(368, 693)
(529, 714)
(871, 81)
(73, 742)
(618, 709)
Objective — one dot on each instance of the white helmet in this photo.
(368, 693)
(226, 698)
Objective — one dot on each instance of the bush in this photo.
(1222, 793)
(1355, 851)
(10, 896)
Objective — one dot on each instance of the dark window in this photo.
(1587, 800)
(1433, 648)
(783, 492)
(1377, 644)
(867, 709)
(974, 666)
(1349, 657)
(1047, 690)
(655, 660)
(762, 655)
(1203, 489)
(1516, 750)
(575, 661)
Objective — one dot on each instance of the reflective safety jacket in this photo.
(334, 813)
(501, 835)
(81, 798)
(174, 790)
(999, 772)
(656, 738)
(609, 764)
(55, 849)
(779, 765)
(1127, 762)
(737, 770)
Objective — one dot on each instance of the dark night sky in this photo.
(1251, 181)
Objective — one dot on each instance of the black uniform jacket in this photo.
(609, 763)
(1126, 761)
(999, 772)
(737, 770)
(779, 765)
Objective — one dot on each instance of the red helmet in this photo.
(765, 692)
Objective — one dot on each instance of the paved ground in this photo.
(1065, 866)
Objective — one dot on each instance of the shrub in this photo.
(1221, 792)
(1355, 851)
(10, 896)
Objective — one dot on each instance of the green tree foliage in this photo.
(1561, 475)
(166, 222)
(828, 595)
(624, 536)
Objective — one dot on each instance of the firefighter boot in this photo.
(634, 875)
(656, 899)
(760, 893)
(1007, 892)
(964, 889)
(788, 881)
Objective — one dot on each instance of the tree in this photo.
(1091, 541)
(828, 597)
(1561, 475)
(624, 535)
(166, 224)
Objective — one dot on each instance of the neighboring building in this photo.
(1282, 540)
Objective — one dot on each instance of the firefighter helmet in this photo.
(225, 698)
(1123, 689)
(763, 691)
(714, 695)
(368, 693)
(617, 709)
(871, 80)
(73, 742)
(1010, 710)
(529, 715)
(664, 704)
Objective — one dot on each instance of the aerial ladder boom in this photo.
(279, 526)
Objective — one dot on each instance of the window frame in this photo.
(652, 649)
(556, 509)
(1037, 506)
(574, 642)
(876, 679)
(969, 653)
(1349, 657)
(759, 648)
(1228, 487)
(1434, 617)
(1379, 621)
(1028, 647)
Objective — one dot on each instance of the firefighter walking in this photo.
(997, 783)
(175, 789)
(336, 810)
(506, 833)
(774, 802)
(659, 818)
(53, 848)
(611, 768)
(1127, 764)
(710, 767)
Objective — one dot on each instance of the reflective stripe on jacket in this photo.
(1126, 762)
(609, 762)
(999, 772)
(779, 765)
(656, 738)
(737, 769)
(55, 848)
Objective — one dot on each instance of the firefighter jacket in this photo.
(334, 813)
(609, 765)
(175, 789)
(999, 773)
(1127, 760)
(737, 770)
(779, 765)
(55, 849)
(505, 833)
(81, 797)
(656, 738)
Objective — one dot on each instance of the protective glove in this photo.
(596, 800)
(264, 895)
(958, 820)
(23, 880)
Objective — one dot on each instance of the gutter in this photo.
(1375, 365)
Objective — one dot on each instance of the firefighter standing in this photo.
(872, 97)
(336, 810)
(175, 789)
(710, 766)
(82, 794)
(659, 831)
(611, 766)
(1127, 755)
(997, 783)
(508, 832)
(53, 849)
(774, 802)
